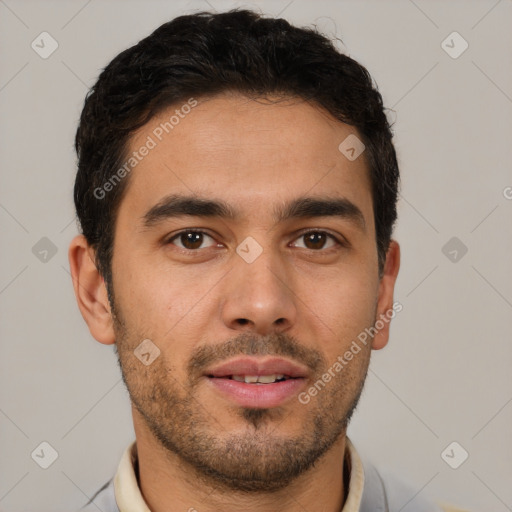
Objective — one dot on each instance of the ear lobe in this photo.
(385, 300)
(90, 290)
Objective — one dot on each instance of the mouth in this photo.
(257, 383)
(259, 379)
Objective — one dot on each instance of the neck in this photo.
(169, 484)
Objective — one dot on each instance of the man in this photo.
(236, 190)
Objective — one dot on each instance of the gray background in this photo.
(445, 375)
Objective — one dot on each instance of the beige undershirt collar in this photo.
(129, 497)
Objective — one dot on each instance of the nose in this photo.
(259, 296)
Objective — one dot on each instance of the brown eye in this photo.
(190, 240)
(316, 240)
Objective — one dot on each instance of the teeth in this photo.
(266, 379)
(253, 379)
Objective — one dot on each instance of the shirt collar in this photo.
(129, 497)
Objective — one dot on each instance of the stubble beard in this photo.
(260, 457)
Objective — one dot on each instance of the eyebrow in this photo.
(174, 206)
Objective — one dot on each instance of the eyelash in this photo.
(339, 243)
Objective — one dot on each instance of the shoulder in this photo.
(104, 500)
(395, 494)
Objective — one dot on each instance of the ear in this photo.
(90, 290)
(385, 300)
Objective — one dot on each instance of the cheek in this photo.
(344, 307)
(146, 291)
(163, 305)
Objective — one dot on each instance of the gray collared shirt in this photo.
(369, 490)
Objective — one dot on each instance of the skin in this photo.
(305, 300)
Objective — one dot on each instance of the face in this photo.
(267, 269)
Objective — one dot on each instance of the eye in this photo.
(191, 239)
(316, 240)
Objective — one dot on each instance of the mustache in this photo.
(275, 344)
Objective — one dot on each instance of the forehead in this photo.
(252, 153)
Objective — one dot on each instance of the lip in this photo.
(257, 395)
(258, 366)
